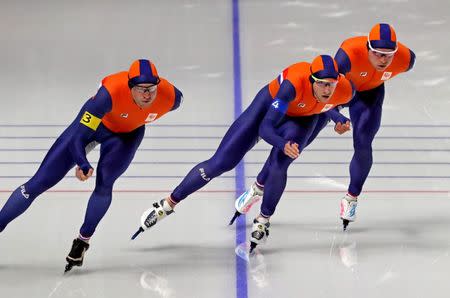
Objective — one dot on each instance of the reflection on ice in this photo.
(257, 267)
(159, 285)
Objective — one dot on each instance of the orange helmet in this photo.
(324, 67)
(382, 36)
(142, 71)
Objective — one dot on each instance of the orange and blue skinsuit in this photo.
(283, 110)
(110, 118)
(366, 107)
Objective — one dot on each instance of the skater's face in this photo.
(324, 88)
(381, 58)
(144, 94)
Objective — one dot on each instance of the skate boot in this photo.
(76, 254)
(153, 215)
(260, 232)
(246, 201)
(348, 210)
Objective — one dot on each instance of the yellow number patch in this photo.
(90, 120)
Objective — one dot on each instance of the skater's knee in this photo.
(363, 144)
(104, 184)
(30, 192)
(217, 166)
(364, 136)
(363, 151)
(103, 190)
(281, 163)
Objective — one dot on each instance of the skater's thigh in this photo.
(57, 162)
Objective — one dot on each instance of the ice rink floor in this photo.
(220, 53)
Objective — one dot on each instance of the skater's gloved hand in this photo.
(83, 172)
(291, 150)
(341, 128)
